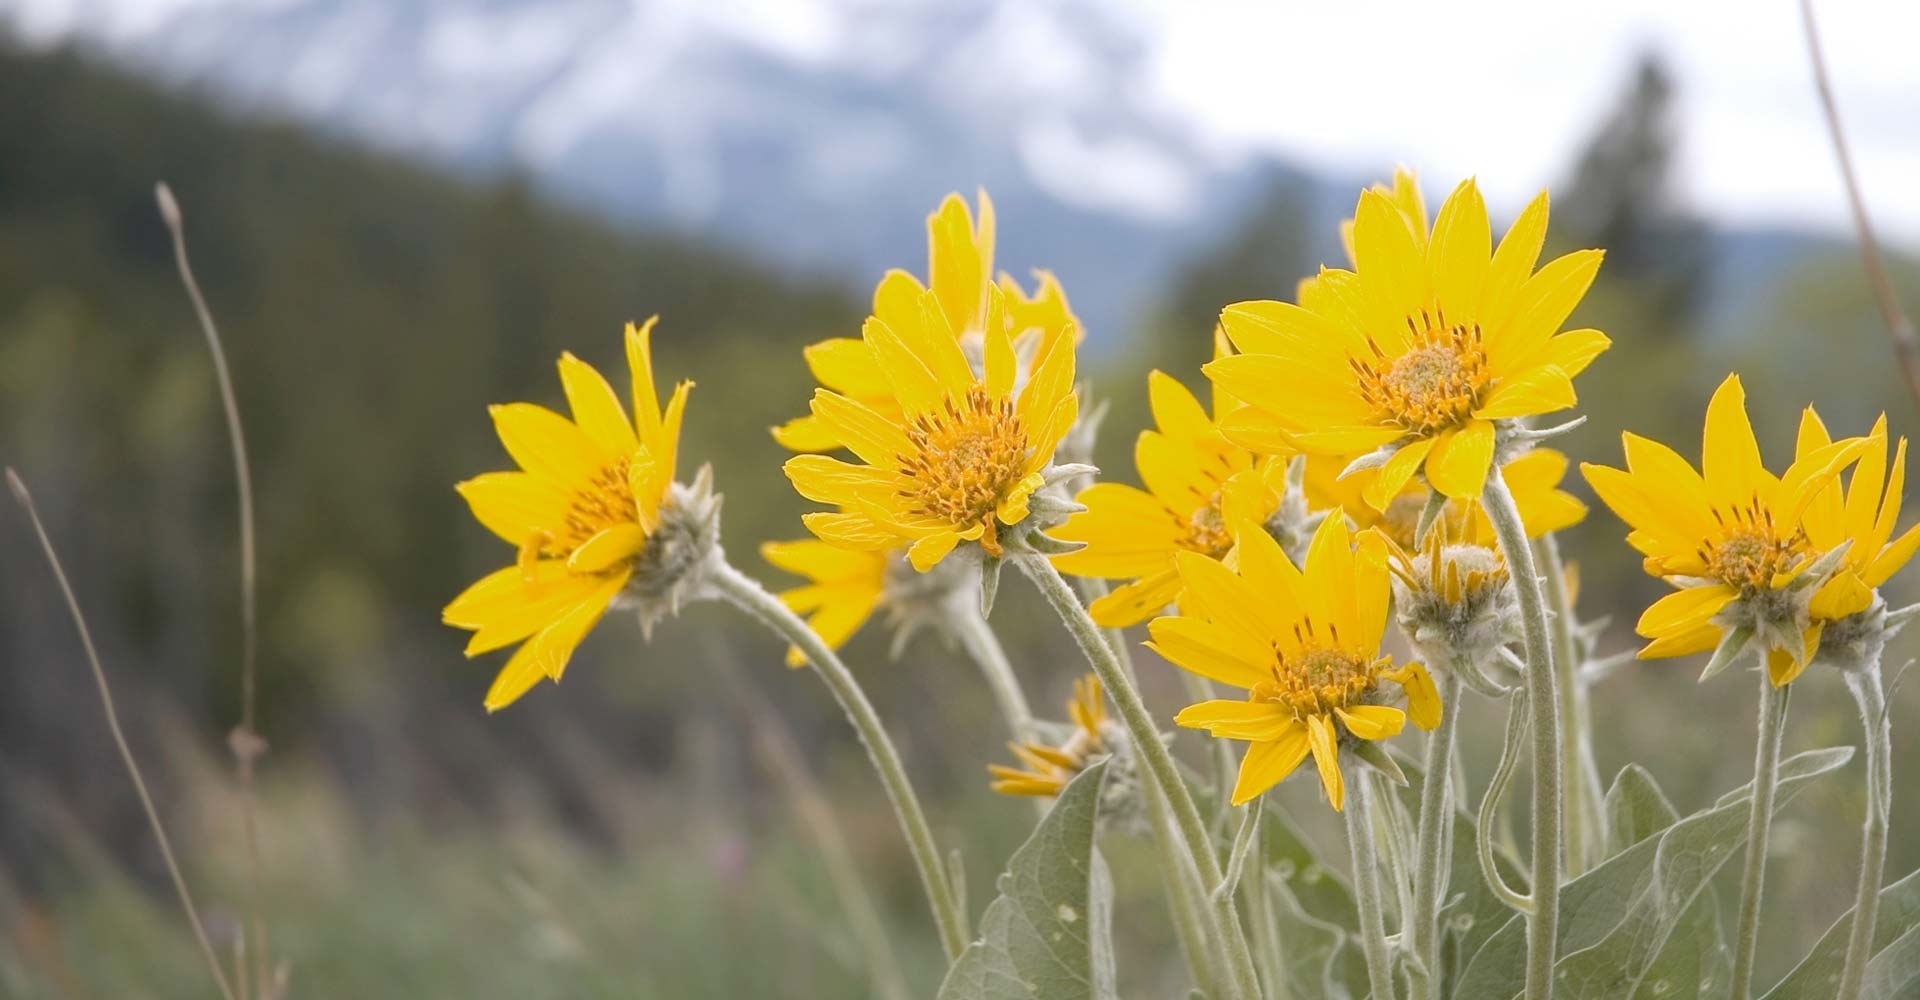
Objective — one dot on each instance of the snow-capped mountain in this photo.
(816, 134)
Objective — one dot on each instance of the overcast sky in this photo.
(1503, 88)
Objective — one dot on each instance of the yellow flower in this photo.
(1305, 645)
(1534, 478)
(845, 587)
(1049, 768)
(1197, 482)
(1864, 515)
(965, 454)
(1423, 346)
(1731, 536)
(580, 512)
(959, 274)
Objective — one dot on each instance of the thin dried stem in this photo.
(245, 741)
(25, 499)
(1906, 346)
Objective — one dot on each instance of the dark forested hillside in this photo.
(371, 310)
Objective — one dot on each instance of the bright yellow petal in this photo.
(1234, 719)
(1267, 764)
(1372, 722)
(1326, 756)
(1460, 252)
(1458, 466)
(1212, 652)
(1136, 602)
(1393, 476)
(1531, 392)
(1423, 697)
(607, 547)
(928, 551)
(547, 444)
(1730, 456)
(1684, 610)
(595, 408)
(515, 505)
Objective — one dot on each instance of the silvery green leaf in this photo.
(1317, 960)
(1696, 963)
(1039, 939)
(1895, 965)
(1731, 646)
(989, 584)
(1436, 502)
(1616, 919)
(1636, 809)
(1375, 756)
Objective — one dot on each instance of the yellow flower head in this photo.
(1423, 346)
(959, 275)
(1864, 514)
(1050, 768)
(1303, 644)
(580, 511)
(965, 455)
(1732, 536)
(1534, 478)
(1197, 482)
(843, 589)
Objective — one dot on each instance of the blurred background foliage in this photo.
(620, 835)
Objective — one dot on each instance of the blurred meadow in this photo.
(650, 827)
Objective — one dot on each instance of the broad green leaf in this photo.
(1039, 939)
(1616, 919)
(1893, 959)
(1636, 809)
(1312, 950)
(1696, 963)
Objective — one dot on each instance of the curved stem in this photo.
(1543, 708)
(1153, 752)
(746, 593)
(1243, 845)
(1585, 815)
(1865, 685)
(1366, 885)
(127, 758)
(974, 634)
(1267, 950)
(1490, 806)
(1766, 775)
(1432, 857)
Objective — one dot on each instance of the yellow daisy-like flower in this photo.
(959, 274)
(1427, 343)
(1730, 532)
(1304, 644)
(580, 512)
(1864, 514)
(845, 586)
(965, 455)
(1534, 478)
(1050, 768)
(1197, 482)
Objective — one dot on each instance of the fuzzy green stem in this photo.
(1243, 845)
(1268, 953)
(1219, 752)
(1585, 813)
(1543, 710)
(1490, 805)
(1192, 919)
(970, 628)
(1867, 693)
(1432, 857)
(748, 595)
(1153, 753)
(1366, 883)
(1766, 778)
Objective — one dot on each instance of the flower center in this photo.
(1435, 385)
(965, 458)
(1207, 530)
(1749, 559)
(605, 500)
(1318, 680)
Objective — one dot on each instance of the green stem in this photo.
(1490, 805)
(1585, 814)
(967, 625)
(1152, 751)
(747, 594)
(1867, 693)
(1432, 863)
(1766, 776)
(1366, 883)
(1243, 842)
(1267, 951)
(1543, 709)
(1192, 919)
